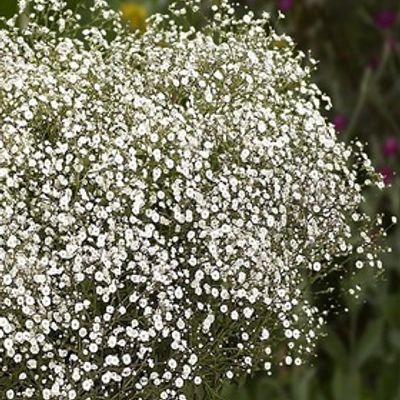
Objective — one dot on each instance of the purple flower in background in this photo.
(390, 146)
(373, 63)
(385, 19)
(285, 5)
(387, 174)
(340, 121)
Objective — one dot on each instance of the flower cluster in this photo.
(168, 199)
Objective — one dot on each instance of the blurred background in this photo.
(357, 43)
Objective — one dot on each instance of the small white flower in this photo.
(264, 334)
(3, 172)
(87, 384)
(12, 242)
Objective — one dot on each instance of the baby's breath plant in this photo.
(171, 203)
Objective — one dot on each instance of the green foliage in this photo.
(8, 7)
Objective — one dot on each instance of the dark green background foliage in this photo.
(358, 45)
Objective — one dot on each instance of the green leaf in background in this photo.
(301, 384)
(335, 348)
(346, 385)
(388, 384)
(394, 339)
(370, 342)
(8, 8)
(391, 310)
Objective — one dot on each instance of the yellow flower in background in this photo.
(135, 14)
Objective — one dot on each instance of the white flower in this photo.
(87, 384)
(265, 334)
(3, 172)
(12, 242)
(165, 198)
